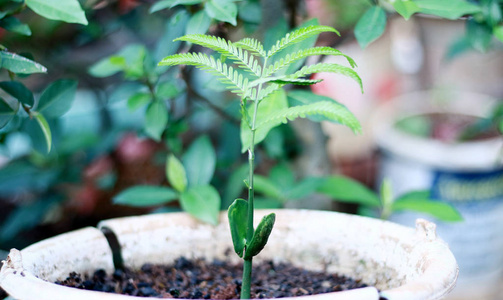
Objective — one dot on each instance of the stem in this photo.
(247, 267)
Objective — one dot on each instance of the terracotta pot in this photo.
(401, 262)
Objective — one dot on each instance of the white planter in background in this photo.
(404, 263)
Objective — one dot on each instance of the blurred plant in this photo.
(344, 189)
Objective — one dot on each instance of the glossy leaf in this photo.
(20, 64)
(156, 119)
(440, 210)
(222, 10)
(449, 9)
(68, 10)
(144, 196)
(57, 98)
(14, 25)
(7, 112)
(46, 130)
(406, 8)
(174, 27)
(163, 4)
(260, 236)
(202, 202)
(19, 91)
(175, 172)
(200, 161)
(198, 23)
(344, 189)
(237, 214)
(370, 26)
(167, 90)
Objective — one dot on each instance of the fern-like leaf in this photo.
(297, 36)
(226, 74)
(331, 110)
(327, 67)
(228, 49)
(252, 45)
(297, 81)
(291, 58)
(268, 90)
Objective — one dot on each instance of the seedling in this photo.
(258, 76)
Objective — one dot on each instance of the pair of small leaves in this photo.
(238, 215)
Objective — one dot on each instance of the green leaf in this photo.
(237, 214)
(160, 5)
(20, 64)
(296, 81)
(282, 176)
(222, 10)
(138, 100)
(344, 189)
(479, 35)
(268, 108)
(129, 60)
(57, 98)
(19, 91)
(198, 23)
(68, 10)
(167, 90)
(405, 8)
(175, 172)
(7, 112)
(250, 12)
(260, 236)
(14, 25)
(156, 119)
(105, 67)
(370, 26)
(174, 27)
(145, 195)
(440, 210)
(266, 187)
(199, 161)
(202, 202)
(305, 188)
(449, 9)
(498, 32)
(328, 67)
(46, 130)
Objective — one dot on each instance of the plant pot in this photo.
(401, 262)
(467, 175)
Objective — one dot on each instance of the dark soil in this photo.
(218, 280)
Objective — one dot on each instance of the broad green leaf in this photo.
(449, 9)
(145, 195)
(268, 107)
(138, 100)
(250, 12)
(7, 112)
(198, 23)
(20, 64)
(156, 119)
(492, 12)
(260, 236)
(167, 90)
(68, 10)
(440, 210)
(267, 203)
(129, 60)
(222, 10)
(174, 27)
(235, 184)
(237, 214)
(479, 35)
(199, 161)
(14, 25)
(406, 8)
(46, 130)
(305, 188)
(57, 98)
(282, 176)
(202, 202)
(175, 172)
(266, 187)
(105, 67)
(370, 26)
(498, 32)
(419, 194)
(344, 189)
(19, 91)
(163, 4)
(458, 47)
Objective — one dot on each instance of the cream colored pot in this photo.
(402, 262)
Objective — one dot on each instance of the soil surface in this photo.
(198, 279)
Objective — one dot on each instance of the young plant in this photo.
(258, 76)
(347, 190)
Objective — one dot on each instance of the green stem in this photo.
(247, 267)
